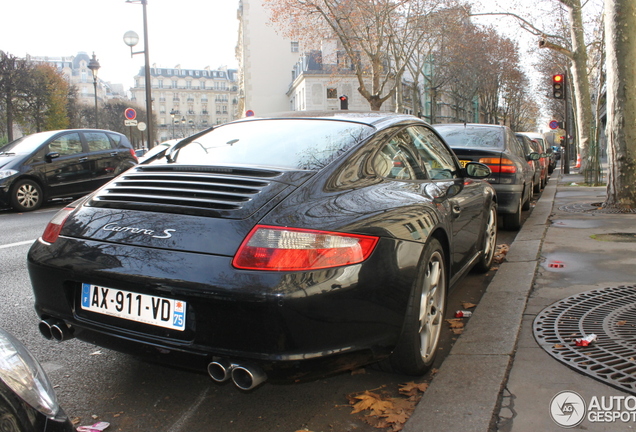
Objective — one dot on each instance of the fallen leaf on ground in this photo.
(412, 388)
(621, 323)
(456, 325)
(371, 401)
(467, 305)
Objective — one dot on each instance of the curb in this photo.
(465, 393)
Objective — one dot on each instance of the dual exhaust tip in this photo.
(244, 376)
(53, 329)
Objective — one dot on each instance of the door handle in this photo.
(113, 154)
(83, 159)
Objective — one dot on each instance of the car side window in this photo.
(66, 145)
(437, 159)
(397, 160)
(516, 145)
(97, 141)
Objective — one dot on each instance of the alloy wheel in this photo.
(432, 306)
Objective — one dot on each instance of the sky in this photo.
(192, 33)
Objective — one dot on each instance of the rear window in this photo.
(472, 137)
(285, 143)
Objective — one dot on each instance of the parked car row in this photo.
(256, 249)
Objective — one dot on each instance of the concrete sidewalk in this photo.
(496, 377)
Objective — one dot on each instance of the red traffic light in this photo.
(344, 102)
(558, 91)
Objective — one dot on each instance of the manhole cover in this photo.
(609, 313)
(595, 207)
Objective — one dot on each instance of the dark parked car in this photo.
(540, 165)
(547, 151)
(497, 147)
(60, 164)
(272, 247)
(27, 399)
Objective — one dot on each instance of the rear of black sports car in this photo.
(268, 268)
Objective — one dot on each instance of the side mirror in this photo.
(534, 156)
(477, 170)
(52, 155)
(452, 190)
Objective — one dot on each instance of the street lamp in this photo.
(183, 120)
(172, 113)
(94, 66)
(131, 38)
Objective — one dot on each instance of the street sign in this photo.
(130, 122)
(249, 113)
(554, 124)
(130, 114)
(141, 126)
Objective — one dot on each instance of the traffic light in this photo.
(344, 102)
(558, 86)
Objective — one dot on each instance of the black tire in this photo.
(26, 195)
(489, 241)
(526, 203)
(512, 221)
(418, 344)
(536, 188)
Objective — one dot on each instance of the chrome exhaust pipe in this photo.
(247, 377)
(45, 328)
(53, 329)
(61, 332)
(220, 370)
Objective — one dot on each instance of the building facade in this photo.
(265, 61)
(186, 101)
(76, 72)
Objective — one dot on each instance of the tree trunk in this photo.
(620, 34)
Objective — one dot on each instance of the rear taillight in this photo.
(132, 152)
(500, 165)
(292, 249)
(52, 230)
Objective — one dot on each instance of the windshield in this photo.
(286, 143)
(472, 137)
(26, 144)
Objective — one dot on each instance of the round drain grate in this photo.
(609, 313)
(596, 207)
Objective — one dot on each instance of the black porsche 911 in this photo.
(281, 248)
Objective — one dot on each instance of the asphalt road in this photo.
(94, 384)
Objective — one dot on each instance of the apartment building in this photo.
(76, 72)
(186, 101)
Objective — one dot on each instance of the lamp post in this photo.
(131, 38)
(94, 66)
(183, 120)
(172, 113)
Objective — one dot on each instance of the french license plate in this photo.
(463, 163)
(143, 308)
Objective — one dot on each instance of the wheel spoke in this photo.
(431, 307)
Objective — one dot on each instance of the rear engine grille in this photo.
(183, 189)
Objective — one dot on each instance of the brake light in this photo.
(292, 249)
(500, 165)
(52, 230)
(132, 152)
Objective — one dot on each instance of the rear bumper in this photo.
(285, 322)
(508, 198)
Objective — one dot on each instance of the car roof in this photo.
(480, 125)
(378, 119)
